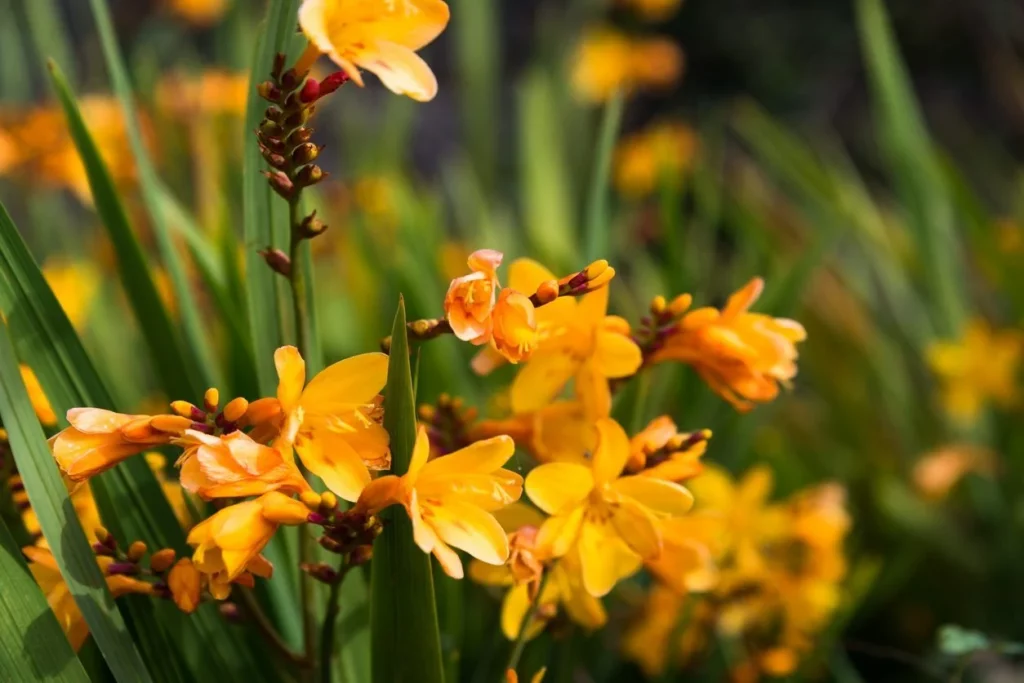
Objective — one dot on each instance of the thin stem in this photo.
(517, 649)
(267, 630)
(330, 620)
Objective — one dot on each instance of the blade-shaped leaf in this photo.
(32, 644)
(598, 223)
(60, 525)
(406, 646)
(130, 499)
(177, 374)
(197, 350)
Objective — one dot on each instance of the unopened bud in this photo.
(277, 260)
(310, 175)
(273, 114)
(321, 572)
(310, 91)
(170, 424)
(230, 612)
(273, 158)
(280, 183)
(333, 82)
(278, 67)
(185, 584)
(290, 80)
(547, 292)
(211, 399)
(360, 555)
(328, 502)
(311, 226)
(658, 305)
(427, 412)
(122, 569)
(596, 268)
(310, 499)
(299, 118)
(305, 153)
(188, 411)
(299, 136)
(680, 304)
(105, 537)
(268, 91)
(271, 129)
(161, 560)
(136, 551)
(235, 409)
(330, 545)
(102, 550)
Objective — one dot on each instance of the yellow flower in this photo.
(470, 299)
(936, 473)
(201, 13)
(44, 570)
(648, 640)
(228, 544)
(99, 439)
(210, 93)
(185, 584)
(381, 36)
(611, 520)
(333, 423)
(235, 466)
(979, 368)
(644, 159)
(558, 432)
(74, 283)
(450, 500)
(40, 404)
(515, 326)
(660, 451)
(576, 341)
(607, 61)
(742, 356)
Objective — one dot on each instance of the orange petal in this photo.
(291, 376)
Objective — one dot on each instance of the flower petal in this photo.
(482, 457)
(604, 559)
(663, 497)
(97, 420)
(637, 527)
(469, 528)
(330, 457)
(559, 486)
(616, 354)
(593, 307)
(541, 379)
(558, 533)
(291, 376)
(401, 70)
(349, 383)
(612, 451)
(525, 275)
(420, 454)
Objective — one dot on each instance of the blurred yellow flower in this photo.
(611, 520)
(210, 93)
(450, 500)
(235, 466)
(652, 10)
(978, 369)
(743, 356)
(381, 36)
(648, 639)
(40, 404)
(74, 283)
(661, 451)
(936, 473)
(558, 432)
(229, 543)
(44, 570)
(644, 159)
(201, 13)
(607, 61)
(333, 423)
(576, 341)
(99, 439)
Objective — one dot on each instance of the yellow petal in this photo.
(616, 355)
(379, 494)
(525, 275)
(559, 486)
(291, 376)
(612, 451)
(487, 491)
(582, 607)
(541, 379)
(346, 384)
(558, 533)
(604, 559)
(592, 391)
(517, 603)
(330, 457)
(469, 528)
(481, 457)
(489, 574)
(593, 307)
(97, 420)
(663, 497)
(637, 527)
(518, 515)
(420, 454)
(401, 70)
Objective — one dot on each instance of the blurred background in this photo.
(861, 156)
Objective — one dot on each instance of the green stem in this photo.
(330, 620)
(517, 649)
(267, 630)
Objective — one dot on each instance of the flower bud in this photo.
(136, 551)
(273, 114)
(271, 129)
(679, 305)
(235, 409)
(185, 584)
(328, 502)
(290, 80)
(102, 550)
(122, 569)
(161, 560)
(169, 424)
(278, 67)
(310, 499)
(299, 136)
(333, 82)
(299, 118)
(658, 305)
(310, 175)
(280, 183)
(311, 227)
(547, 292)
(230, 612)
(305, 153)
(330, 545)
(105, 537)
(361, 555)
(277, 260)
(188, 411)
(310, 91)
(321, 572)
(273, 158)
(268, 91)
(211, 400)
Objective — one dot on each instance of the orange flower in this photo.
(938, 472)
(235, 466)
(661, 451)
(229, 543)
(99, 439)
(470, 300)
(515, 326)
(743, 356)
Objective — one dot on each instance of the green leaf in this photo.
(130, 499)
(265, 215)
(201, 371)
(405, 643)
(597, 225)
(60, 525)
(176, 373)
(32, 644)
(914, 165)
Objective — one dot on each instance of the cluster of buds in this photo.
(595, 276)
(447, 424)
(210, 419)
(661, 450)
(656, 327)
(162, 575)
(347, 533)
(285, 141)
